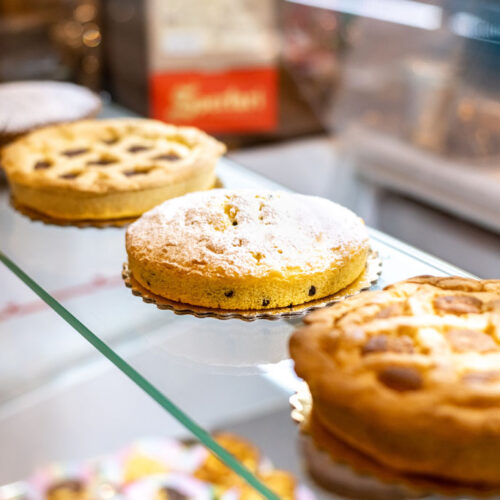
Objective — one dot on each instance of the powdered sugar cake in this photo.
(28, 105)
(246, 249)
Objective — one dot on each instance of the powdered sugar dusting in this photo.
(248, 232)
(27, 105)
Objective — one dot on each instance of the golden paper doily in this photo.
(345, 464)
(368, 278)
(37, 216)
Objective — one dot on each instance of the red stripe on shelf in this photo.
(13, 309)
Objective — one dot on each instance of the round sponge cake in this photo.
(246, 249)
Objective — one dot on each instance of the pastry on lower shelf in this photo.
(149, 457)
(247, 249)
(108, 169)
(409, 376)
(282, 483)
(229, 485)
(67, 490)
(69, 481)
(28, 105)
(172, 486)
(158, 469)
(213, 471)
(182, 487)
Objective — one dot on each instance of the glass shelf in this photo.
(77, 272)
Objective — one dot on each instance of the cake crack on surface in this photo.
(279, 261)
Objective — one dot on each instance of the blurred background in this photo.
(390, 107)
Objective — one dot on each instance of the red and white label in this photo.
(241, 100)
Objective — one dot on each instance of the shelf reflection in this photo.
(228, 344)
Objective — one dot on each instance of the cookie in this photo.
(171, 486)
(229, 485)
(282, 483)
(69, 481)
(28, 105)
(148, 457)
(213, 471)
(108, 169)
(410, 376)
(246, 249)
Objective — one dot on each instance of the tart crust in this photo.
(107, 169)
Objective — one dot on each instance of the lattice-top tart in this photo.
(247, 249)
(410, 375)
(108, 169)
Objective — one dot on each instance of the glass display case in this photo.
(231, 368)
(405, 96)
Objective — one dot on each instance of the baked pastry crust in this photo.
(410, 375)
(214, 472)
(108, 169)
(245, 249)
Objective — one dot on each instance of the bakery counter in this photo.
(79, 270)
(186, 364)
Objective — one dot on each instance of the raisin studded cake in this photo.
(246, 249)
